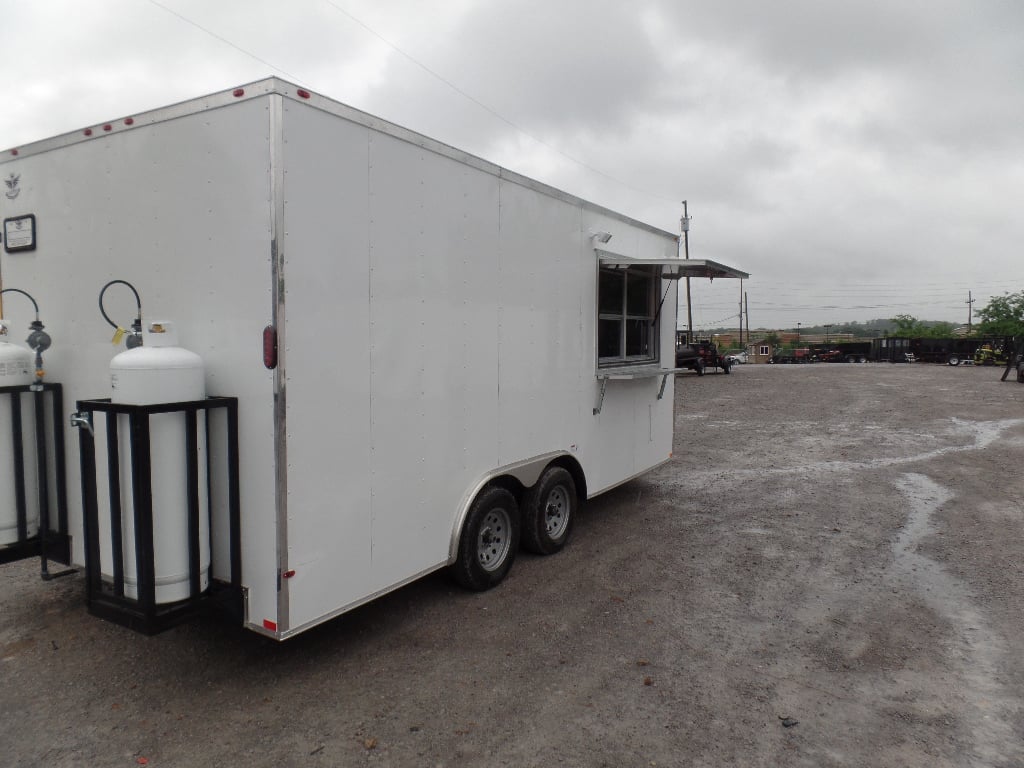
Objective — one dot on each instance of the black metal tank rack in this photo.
(52, 542)
(106, 595)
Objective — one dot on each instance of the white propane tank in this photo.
(17, 366)
(162, 372)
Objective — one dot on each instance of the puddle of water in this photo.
(975, 649)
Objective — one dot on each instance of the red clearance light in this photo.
(238, 92)
(108, 127)
(288, 574)
(271, 625)
(270, 347)
(129, 121)
(14, 152)
(87, 131)
(302, 93)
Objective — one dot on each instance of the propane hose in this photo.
(135, 337)
(38, 340)
(26, 294)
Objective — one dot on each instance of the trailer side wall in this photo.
(441, 324)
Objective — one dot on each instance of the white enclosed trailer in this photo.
(461, 351)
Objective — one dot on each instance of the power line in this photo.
(224, 40)
(490, 110)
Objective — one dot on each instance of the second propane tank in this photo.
(159, 372)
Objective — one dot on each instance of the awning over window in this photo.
(672, 269)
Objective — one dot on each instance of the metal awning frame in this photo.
(672, 268)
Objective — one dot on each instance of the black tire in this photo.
(1020, 375)
(699, 367)
(549, 510)
(725, 367)
(489, 540)
(862, 359)
(954, 360)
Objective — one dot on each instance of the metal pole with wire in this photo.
(741, 311)
(684, 225)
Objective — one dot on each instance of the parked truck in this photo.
(411, 359)
(699, 354)
(792, 355)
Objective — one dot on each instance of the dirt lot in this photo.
(839, 545)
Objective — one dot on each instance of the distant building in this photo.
(759, 352)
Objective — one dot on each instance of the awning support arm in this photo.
(600, 398)
(657, 314)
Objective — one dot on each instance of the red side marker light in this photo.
(270, 347)
(14, 152)
(108, 127)
(87, 131)
(238, 92)
(288, 574)
(129, 121)
(303, 93)
(271, 625)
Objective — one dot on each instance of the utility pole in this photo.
(746, 307)
(684, 225)
(741, 311)
(970, 312)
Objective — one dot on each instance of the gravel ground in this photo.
(828, 573)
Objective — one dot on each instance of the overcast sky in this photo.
(860, 160)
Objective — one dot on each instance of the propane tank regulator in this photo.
(38, 339)
(134, 336)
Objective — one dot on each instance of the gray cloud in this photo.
(849, 155)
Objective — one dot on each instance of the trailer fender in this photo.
(516, 477)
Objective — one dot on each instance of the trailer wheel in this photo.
(489, 540)
(699, 367)
(725, 367)
(862, 359)
(548, 512)
(954, 360)
(1020, 375)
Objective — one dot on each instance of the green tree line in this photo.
(1002, 316)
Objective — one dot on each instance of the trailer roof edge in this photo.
(277, 86)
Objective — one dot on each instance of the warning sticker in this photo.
(20, 233)
(14, 368)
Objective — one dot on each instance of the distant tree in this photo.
(772, 339)
(940, 330)
(907, 325)
(1003, 316)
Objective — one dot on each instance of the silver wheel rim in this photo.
(492, 543)
(556, 511)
